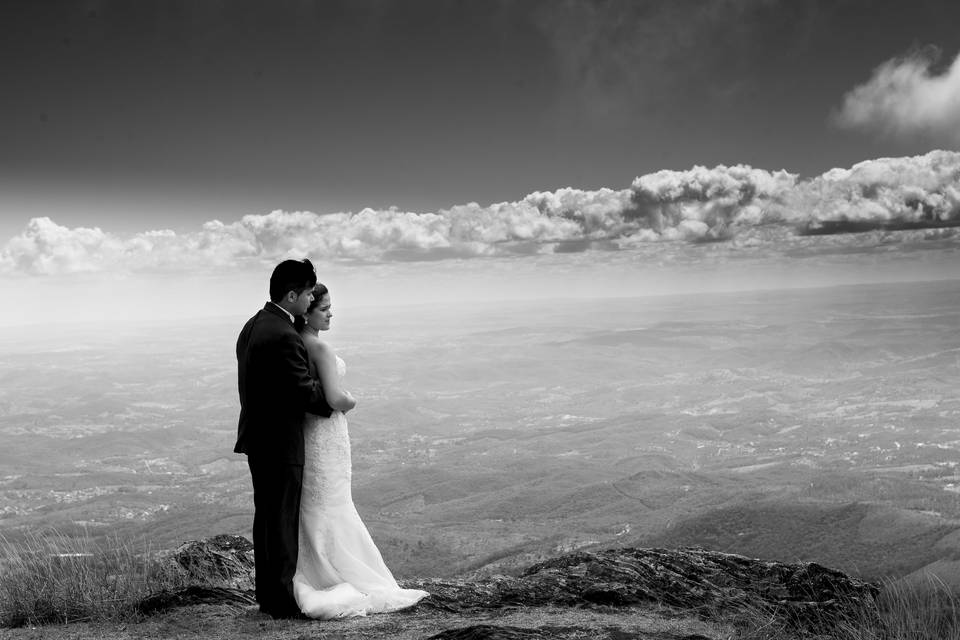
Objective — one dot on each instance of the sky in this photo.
(425, 150)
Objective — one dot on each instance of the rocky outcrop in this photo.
(218, 570)
(707, 583)
(224, 561)
(195, 594)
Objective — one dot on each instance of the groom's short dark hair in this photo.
(291, 275)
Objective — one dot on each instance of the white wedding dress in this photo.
(340, 572)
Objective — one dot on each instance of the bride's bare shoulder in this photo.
(315, 345)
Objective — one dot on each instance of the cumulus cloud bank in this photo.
(739, 205)
(708, 204)
(918, 192)
(905, 98)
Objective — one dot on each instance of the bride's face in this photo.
(319, 318)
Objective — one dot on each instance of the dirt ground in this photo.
(223, 622)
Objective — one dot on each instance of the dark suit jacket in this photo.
(276, 388)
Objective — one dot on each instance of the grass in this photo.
(919, 610)
(51, 578)
(925, 609)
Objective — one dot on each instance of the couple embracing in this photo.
(313, 555)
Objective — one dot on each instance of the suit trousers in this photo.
(276, 521)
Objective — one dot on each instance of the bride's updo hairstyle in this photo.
(319, 290)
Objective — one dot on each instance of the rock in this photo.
(195, 594)
(218, 570)
(707, 582)
(223, 560)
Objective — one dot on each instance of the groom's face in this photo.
(301, 301)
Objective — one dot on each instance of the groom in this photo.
(276, 390)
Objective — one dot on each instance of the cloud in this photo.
(906, 98)
(740, 207)
(709, 204)
(921, 191)
(46, 247)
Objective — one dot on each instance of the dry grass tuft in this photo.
(51, 578)
(917, 610)
(908, 610)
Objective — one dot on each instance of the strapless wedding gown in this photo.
(340, 572)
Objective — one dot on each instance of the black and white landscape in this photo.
(815, 424)
(622, 273)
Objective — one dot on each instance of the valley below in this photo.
(795, 425)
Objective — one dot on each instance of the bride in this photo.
(340, 572)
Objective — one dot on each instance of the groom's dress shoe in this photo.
(292, 615)
(285, 614)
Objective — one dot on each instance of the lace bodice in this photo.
(327, 455)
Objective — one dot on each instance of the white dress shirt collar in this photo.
(289, 315)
